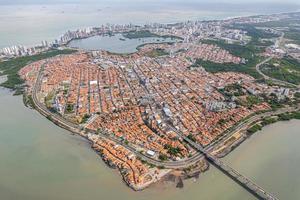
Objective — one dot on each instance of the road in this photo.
(74, 128)
(202, 152)
(245, 182)
(62, 122)
(270, 78)
(278, 42)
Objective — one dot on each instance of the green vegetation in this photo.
(237, 88)
(289, 116)
(85, 118)
(222, 122)
(69, 108)
(252, 100)
(249, 101)
(273, 101)
(297, 95)
(271, 120)
(254, 129)
(98, 131)
(291, 28)
(191, 137)
(126, 142)
(12, 67)
(49, 117)
(49, 99)
(139, 34)
(146, 34)
(285, 69)
(174, 151)
(28, 101)
(212, 67)
(255, 34)
(162, 157)
(66, 87)
(234, 89)
(293, 34)
(244, 51)
(289, 22)
(268, 120)
(181, 50)
(248, 52)
(151, 165)
(156, 53)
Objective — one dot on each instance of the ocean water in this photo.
(39, 160)
(42, 161)
(29, 22)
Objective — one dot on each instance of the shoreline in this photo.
(222, 152)
(35, 104)
(162, 36)
(228, 150)
(137, 48)
(164, 180)
(179, 21)
(82, 134)
(221, 146)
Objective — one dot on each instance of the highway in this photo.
(279, 41)
(202, 152)
(270, 78)
(74, 128)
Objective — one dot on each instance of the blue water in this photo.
(116, 43)
(29, 22)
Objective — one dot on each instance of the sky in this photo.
(274, 6)
(3, 2)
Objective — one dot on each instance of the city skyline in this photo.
(159, 95)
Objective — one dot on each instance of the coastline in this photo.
(83, 134)
(222, 150)
(35, 105)
(137, 48)
(65, 43)
(59, 33)
(221, 146)
(210, 185)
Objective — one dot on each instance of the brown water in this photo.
(39, 160)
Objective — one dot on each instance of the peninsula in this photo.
(169, 107)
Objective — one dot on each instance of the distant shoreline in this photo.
(181, 21)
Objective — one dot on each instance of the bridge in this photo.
(246, 183)
(250, 186)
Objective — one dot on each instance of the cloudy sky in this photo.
(146, 1)
(253, 6)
